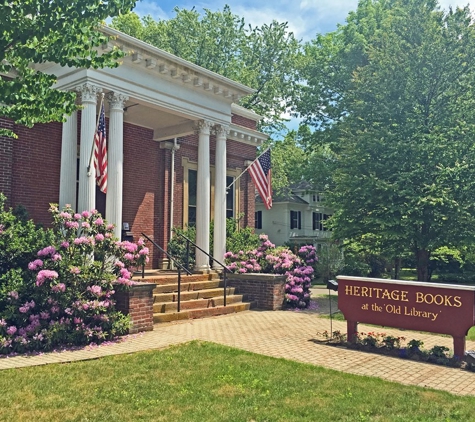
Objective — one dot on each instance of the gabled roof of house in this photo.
(284, 197)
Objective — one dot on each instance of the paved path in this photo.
(281, 334)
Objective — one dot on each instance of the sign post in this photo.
(436, 308)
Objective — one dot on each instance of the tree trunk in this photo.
(422, 262)
(397, 267)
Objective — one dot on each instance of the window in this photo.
(258, 220)
(230, 194)
(318, 219)
(192, 191)
(295, 220)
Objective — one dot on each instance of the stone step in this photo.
(173, 278)
(201, 312)
(186, 286)
(166, 307)
(191, 295)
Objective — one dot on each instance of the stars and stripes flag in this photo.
(260, 171)
(100, 152)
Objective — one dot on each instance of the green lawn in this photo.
(208, 382)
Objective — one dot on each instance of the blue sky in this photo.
(306, 18)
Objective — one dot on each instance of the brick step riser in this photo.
(201, 313)
(190, 295)
(196, 304)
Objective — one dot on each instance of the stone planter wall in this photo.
(267, 290)
(137, 302)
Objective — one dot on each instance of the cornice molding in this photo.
(175, 68)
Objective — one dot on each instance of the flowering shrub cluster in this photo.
(271, 260)
(65, 296)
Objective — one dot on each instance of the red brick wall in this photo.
(30, 174)
(138, 304)
(31, 168)
(6, 160)
(243, 121)
(266, 290)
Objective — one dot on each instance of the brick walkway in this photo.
(281, 334)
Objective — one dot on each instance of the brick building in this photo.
(176, 140)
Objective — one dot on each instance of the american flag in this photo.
(100, 152)
(260, 171)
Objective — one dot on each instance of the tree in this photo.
(396, 96)
(288, 163)
(263, 58)
(38, 31)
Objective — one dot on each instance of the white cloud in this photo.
(305, 18)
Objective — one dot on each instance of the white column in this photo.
(115, 158)
(69, 152)
(87, 181)
(219, 239)
(203, 196)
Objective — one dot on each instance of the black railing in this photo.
(187, 258)
(179, 267)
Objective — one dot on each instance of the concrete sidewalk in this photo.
(281, 334)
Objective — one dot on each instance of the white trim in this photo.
(407, 283)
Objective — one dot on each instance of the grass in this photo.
(201, 381)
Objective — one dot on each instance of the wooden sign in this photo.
(436, 308)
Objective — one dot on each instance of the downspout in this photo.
(175, 147)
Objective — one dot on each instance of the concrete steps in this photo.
(201, 296)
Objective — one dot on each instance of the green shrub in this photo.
(20, 239)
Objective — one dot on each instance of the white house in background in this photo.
(296, 218)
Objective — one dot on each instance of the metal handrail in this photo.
(178, 265)
(225, 269)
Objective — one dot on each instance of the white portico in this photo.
(174, 98)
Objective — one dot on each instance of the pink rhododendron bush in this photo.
(298, 268)
(65, 295)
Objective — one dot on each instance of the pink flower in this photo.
(11, 330)
(110, 227)
(49, 250)
(60, 287)
(74, 270)
(99, 222)
(86, 214)
(95, 290)
(65, 215)
(129, 257)
(140, 242)
(44, 275)
(37, 263)
(125, 273)
(99, 237)
(81, 240)
(85, 225)
(144, 251)
(77, 216)
(65, 245)
(72, 225)
(119, 264)
(56, 257)
(13, 294)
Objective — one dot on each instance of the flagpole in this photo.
(247, 168)
(93, 140)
